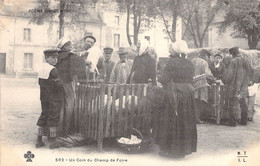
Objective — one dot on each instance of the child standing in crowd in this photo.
(50, 96)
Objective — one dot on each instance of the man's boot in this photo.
(53, 142)
(243, 118)
(39, 142)
(232, 120)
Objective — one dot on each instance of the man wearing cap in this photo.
(237, 77)
(122, 68)
(93, 54)
(51, 94)
(217, 67)
(201, 95)
(105, 66)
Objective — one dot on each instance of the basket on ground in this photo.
(135, 148)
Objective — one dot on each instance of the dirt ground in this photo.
(20, 109)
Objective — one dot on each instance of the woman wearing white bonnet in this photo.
(64, 44)
(180, 47)
(144, 66)
(175, 131)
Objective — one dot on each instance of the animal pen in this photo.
(112, 110)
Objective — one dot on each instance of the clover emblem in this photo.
(29, 156)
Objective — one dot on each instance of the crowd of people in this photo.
(181, 107)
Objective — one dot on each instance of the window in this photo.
(27, 34)
(28, 61)
(147, 38)
(116, 40)
(117, 20)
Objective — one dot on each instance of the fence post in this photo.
(218, 103)
(100, 118)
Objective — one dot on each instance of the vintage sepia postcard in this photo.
(129, 82)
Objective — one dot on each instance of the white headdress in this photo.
(144, 45)
(61, 42)
(180, 46)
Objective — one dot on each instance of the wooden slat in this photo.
(222, 102)
(95, 108)
(82, 110)
(120, 111)
(139, 106)
(108, 111)
(75, 109)
(146, 117)
(113, 110)
(85, 123)
(218, 103)
(98, 108)
(101, 117)
(79, 106)
(214, 99)
(133, 108)
(127, 108)
(91, 110)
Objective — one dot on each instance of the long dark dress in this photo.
(174, 127)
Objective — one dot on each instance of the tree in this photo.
(197, 17)
(169, 10)
(70, 10)
(140, 10)
(243, 16)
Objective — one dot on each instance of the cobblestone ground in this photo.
(20, 109)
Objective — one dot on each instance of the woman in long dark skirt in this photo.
(174, 127)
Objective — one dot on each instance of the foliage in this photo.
(197, 17)
(243, 16)
(142, 13)
(169, 11)
(67, 12)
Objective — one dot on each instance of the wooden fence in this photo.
(110, 110)
(219, 104)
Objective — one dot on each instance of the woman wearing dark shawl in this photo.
(175, 129)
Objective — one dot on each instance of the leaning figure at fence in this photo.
(92, 55)
(175, 131)
(67, 71)
(201, 95)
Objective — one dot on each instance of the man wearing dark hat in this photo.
(217, 67)
(105, 66)
(122, 69)
(51, 96)
(237, 78)
(201, 95)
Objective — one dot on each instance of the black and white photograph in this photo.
(129, 82)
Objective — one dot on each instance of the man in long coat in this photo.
(237, 78)
(201, 95)
(122, 68)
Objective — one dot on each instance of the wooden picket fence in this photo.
(111, 110)
(218, 103)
